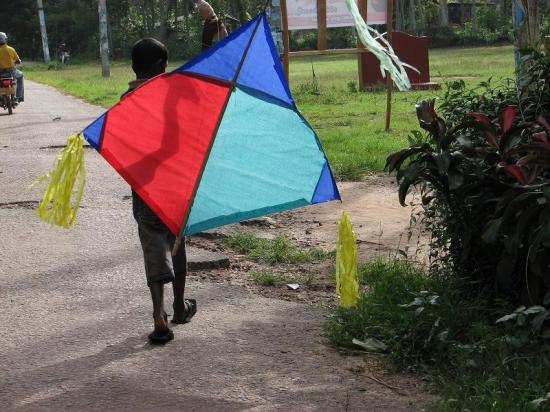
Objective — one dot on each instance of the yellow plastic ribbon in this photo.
(60, 203)
(347, 281)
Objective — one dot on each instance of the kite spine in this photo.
(218, 124)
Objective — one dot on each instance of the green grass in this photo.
(431, 327)
(278, 250)
(350, 124)
(268, 278)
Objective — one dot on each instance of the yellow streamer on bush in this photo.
(57, 205)
(347, 282)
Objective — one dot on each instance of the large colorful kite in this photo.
(218, 140)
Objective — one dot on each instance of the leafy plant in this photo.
(484, 184)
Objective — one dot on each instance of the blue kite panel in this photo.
(265, 159)
(92, 133)
(262, 69)
(326, 188)
(222, 59)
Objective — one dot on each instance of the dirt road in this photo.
(75, 309)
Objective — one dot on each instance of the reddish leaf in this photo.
(517, 173)
(541, 137)
(491, 138)
(544, 123)
(507, 117)
(526, 159)
(481, 118)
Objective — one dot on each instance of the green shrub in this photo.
(484, 182)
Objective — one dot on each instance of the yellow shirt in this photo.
(8, 57)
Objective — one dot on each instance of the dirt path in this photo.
(75, 310)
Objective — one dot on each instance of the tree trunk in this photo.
(525, 18)
(412, 16)
(103, 38)
(401, 14)
(474, 18)
(162, 20)
(443, 13)
(153, 16)
(241, 11)
(526, 29)
(398, 15)
(422, 17)
(175, 10)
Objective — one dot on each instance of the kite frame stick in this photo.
(177, 243)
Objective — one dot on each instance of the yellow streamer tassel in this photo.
(347, 282)
(60, 203)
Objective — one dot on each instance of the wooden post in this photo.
(286, 39)
(389, 81)
(363, 9)
(321, 24)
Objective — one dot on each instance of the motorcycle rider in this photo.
(8, 59)
(63, 53)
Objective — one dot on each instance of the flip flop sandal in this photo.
(190, 310)
(161, 338)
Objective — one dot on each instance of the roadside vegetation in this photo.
(277, 250)
(350, 123)
(475, 322)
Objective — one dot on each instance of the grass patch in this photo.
(433, 328)
(350, 124)
(278, 250)
(268, 278)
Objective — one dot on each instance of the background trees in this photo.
(75, 22)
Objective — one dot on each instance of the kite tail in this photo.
(59, 204)
(371, 39)
(347, 281)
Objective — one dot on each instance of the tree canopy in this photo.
(75, 22)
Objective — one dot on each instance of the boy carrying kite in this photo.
(149, 59)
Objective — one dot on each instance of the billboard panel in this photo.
(302, 14)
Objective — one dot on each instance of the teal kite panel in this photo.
(265, 159)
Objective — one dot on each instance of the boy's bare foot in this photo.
(183, 314)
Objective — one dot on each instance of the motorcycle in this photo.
(8, 86)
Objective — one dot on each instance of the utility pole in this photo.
(42, 20)
(103, 38)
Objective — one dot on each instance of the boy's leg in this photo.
(159, 314)
(153, 236)
(184, 309)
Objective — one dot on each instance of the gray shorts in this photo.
(157, 242)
